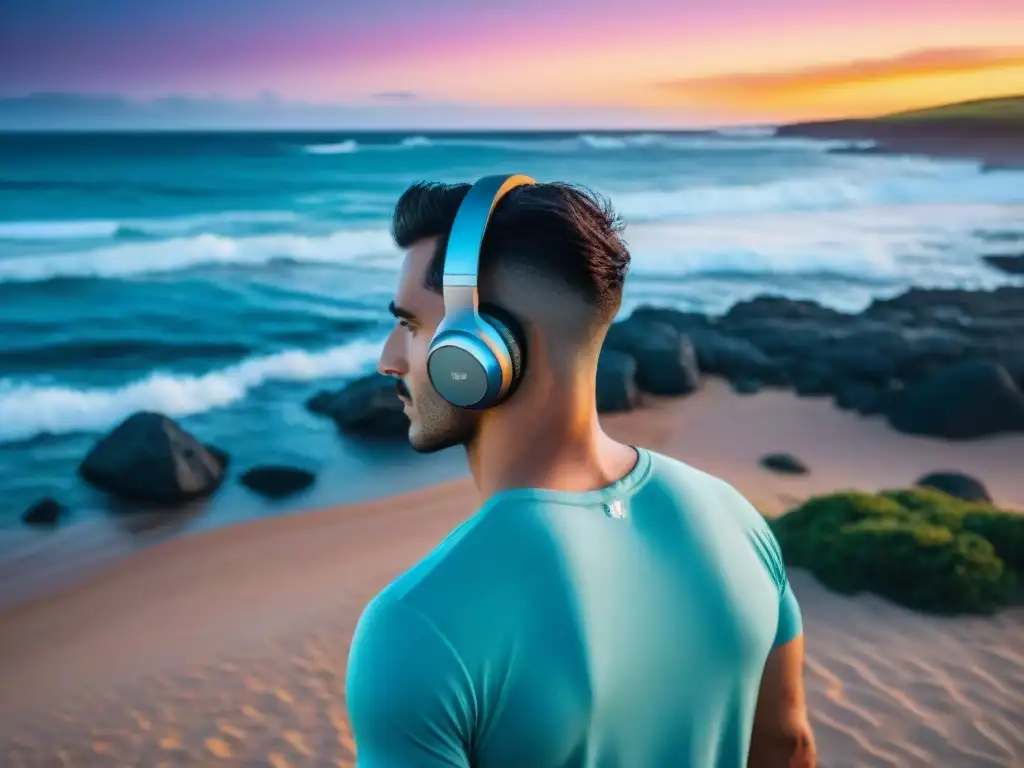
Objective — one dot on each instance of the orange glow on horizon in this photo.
(854, 88)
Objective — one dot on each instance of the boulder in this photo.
(616, 382)
(784, 340)
(666, 363)
(781, 308)
(732, 357)
(784, 463)
(44, 513)
(684, 322)
(813, 378)
(927, 306)
(878, 353)
(966, 400)
(150, 458)
(746, 386)
(1010, 264)
(367, 407)
(956, 484)
(276, 482)
(860, 397)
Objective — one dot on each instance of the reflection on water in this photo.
(154, 524)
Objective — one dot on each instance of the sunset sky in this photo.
(644, 61)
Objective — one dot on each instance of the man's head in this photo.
(552, 257)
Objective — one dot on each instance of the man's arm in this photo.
(409, 697)
(782, 736)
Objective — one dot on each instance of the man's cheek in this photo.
(418, 357)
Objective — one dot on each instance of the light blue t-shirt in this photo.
(621, 628)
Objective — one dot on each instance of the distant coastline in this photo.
(989, 130)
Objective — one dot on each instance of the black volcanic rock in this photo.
(903, 356)
(150, 458)
(616, 382)
(1011, 265)
(666, 363)
(367, 407)
(963, 401)
(277, 482)
(956, 484)
(44, 513)
(784, 464)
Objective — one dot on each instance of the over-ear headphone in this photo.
(477, 355)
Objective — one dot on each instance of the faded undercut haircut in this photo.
(557, 231)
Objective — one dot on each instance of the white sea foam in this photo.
(86, 229)
(906, 188)
(140, 258)
(28, 410)
(749, 132)
(885, 246)
(337, 148)
(873, 181)
(737, 139)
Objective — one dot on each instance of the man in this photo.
(606, 606)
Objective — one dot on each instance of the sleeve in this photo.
(790, 623)
(409, 696)
(790, 619)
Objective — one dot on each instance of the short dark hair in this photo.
(559, 230)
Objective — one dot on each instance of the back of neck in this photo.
(559, 446)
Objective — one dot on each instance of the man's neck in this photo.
(558, 447)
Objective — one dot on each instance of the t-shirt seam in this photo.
(448, 645)
(437, 557)
(770, 553)
(539, 494)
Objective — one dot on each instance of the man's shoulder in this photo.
(667, 469)
(452, 571)
(700, 491)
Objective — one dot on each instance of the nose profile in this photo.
(391, 362)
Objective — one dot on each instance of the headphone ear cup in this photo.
(514, 337)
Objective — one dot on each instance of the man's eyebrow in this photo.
(397, 311)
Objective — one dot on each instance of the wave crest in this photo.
(89, 229)
(28, 410)
(148, 257)
(726, 139)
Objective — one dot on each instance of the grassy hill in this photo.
(1003, 109)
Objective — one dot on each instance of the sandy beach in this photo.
(229, 647)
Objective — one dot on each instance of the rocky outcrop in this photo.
(784, 464)
(150, 458)
(946, 363)
(956, 484)
(276, 482)
(666, 363)
(367, 407)
(45, 513)
(970, 399)
(616, 382)
(1010, 264)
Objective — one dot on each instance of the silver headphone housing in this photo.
(469, 362)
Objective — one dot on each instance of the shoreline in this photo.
(37, 562)
(924, 362)
(234, 641)
(772, 493)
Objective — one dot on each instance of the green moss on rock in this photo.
(918, 547)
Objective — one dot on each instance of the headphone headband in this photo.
(462, 256)
(475, 359)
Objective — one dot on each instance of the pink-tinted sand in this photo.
(229, 647)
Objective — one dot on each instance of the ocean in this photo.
(222, 278)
